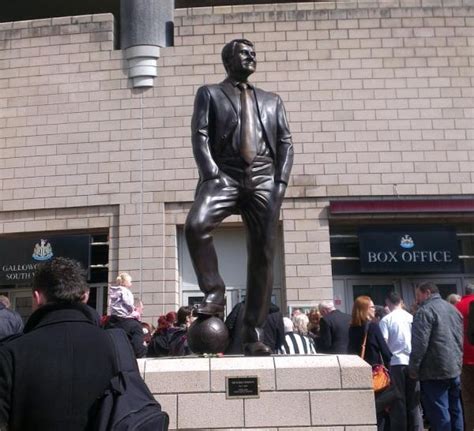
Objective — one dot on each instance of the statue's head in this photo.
(239, 59)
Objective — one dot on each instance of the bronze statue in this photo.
(244, 153)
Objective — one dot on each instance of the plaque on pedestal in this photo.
(242, 387)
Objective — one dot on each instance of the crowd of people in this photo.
(428, 351)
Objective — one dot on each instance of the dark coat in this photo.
(159, 344)
(171, 342)
(376, 349)
(178, 341)
(134, 330)
(334, 333)
(273, 329)
(10, 322)
(216, 117)
(66, 362)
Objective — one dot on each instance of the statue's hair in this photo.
(229, 50)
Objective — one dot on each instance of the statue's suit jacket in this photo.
(216, 117)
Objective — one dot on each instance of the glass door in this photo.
(446, 286)
(377, 289)
(445, 289)
(378, 292)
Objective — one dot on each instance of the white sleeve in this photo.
(384, 328)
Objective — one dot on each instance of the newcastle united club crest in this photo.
(43, 251)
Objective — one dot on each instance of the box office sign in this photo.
(408, 249)
(19, 257)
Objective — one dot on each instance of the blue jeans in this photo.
(442, 404)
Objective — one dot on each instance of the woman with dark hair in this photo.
(178, 337)
(365, 329)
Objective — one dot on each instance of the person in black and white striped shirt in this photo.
(296, 340)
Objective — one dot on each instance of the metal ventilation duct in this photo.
(146, 25)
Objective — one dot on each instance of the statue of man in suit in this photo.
(244, 153)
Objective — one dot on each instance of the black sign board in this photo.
(408, 249)
(242, 387)
(20, 256)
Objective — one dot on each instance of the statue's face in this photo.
(244, 62)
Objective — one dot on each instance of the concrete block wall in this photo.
(310, 392)
(379, 97)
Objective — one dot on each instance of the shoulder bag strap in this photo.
(124, 355)
(362, 352)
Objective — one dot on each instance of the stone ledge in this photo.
(178, 375)
(296, 392)
(354, 373)
(307, 372)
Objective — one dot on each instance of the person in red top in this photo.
(467, 374)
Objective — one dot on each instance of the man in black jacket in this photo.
(51, 375)
(334, 329)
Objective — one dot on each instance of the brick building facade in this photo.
(380, 103)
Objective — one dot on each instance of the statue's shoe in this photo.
(257, 349)
(210, 309)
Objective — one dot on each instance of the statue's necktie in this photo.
(248, 145)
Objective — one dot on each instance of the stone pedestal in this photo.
(313, 392)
